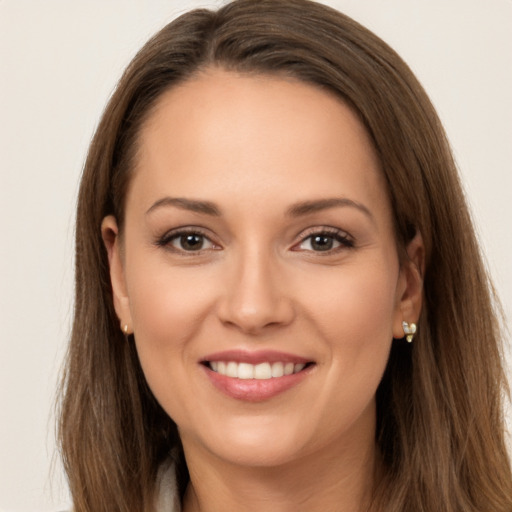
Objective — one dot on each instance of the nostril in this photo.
(252, 316)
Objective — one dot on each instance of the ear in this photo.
(409, 297)
(111, 239)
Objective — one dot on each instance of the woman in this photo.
(268, 214)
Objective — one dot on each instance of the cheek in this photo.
(356, 305)
(169, 308)
(165, 299)
(355, 320)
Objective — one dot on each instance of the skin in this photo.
(255, 147)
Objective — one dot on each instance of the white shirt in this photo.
(167, 497)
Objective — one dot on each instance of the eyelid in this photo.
(166, 239)
(342, 236)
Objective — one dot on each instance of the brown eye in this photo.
(324, 242)
(188, 241)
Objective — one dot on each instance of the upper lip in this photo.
(255, 357)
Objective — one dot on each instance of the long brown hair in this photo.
(440, 425)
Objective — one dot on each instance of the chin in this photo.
(250, 442)
(258, 454)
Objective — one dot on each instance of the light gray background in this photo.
(59, 61)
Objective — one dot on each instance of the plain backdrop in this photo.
(59, 61)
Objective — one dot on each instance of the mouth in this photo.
(261, 371)
(255, 376)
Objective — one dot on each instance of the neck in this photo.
(339, 480)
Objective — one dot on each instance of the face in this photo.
(258, 268)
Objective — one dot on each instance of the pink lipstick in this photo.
(255, 376)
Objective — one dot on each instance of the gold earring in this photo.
(409, 330)
(124, 328)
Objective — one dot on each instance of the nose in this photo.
(256, 297)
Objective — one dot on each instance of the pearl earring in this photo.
(409, 331)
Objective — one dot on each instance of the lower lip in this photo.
(255, 390)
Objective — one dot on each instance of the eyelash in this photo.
(166, 241)
(337, 235)
(341, 237)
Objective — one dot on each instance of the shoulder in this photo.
(167, 498)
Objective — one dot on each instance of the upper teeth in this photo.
(255, 371)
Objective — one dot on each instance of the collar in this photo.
(167, 498)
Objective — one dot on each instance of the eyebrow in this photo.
(308, 207)
(296, 210)
(192, 205)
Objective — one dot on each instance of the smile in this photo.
(261, 371)
(255, 376)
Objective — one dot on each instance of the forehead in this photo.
(244, 108)
(221, 131)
